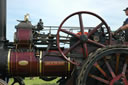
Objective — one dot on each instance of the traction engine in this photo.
(78, 55)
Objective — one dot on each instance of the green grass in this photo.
(36, 81)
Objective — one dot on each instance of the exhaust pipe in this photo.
(2, 23)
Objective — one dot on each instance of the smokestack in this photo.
(2, 20)
(2, 23)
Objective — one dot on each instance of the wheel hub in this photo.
(119, 82)
(83, 38)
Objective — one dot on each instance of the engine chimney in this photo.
(2, 22)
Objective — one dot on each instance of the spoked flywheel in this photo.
(107, 66)
(82, 39)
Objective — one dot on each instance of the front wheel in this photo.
(2, 82)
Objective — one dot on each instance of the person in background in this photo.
(125, 24)
(124, 27)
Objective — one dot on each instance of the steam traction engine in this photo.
(80, 56)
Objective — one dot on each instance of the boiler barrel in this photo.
(24, 63)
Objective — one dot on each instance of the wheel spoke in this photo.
(81, 24)
(85, 50)
(101, 70)
(117, 63)
(95, 43)
(72, 47)
(70, 33)
(99, 79)
(124, 68)
(94, 30)
(110, 69)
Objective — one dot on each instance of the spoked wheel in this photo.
(18, 81)
(2, 82)
(83, 38)
(107, 66)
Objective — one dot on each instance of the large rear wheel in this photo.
(107, 66)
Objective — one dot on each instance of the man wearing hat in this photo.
(125, 24)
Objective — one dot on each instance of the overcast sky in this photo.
(54, 11)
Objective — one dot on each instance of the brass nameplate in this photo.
(23, 63)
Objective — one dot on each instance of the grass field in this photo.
(36, 81)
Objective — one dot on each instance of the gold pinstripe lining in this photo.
(9, 52)
(40, 67)
(69, 65)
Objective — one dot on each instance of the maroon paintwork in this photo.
(30, 69)
(24, 35)
(26, 64)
